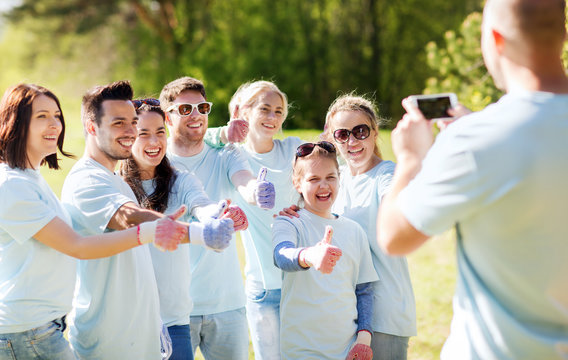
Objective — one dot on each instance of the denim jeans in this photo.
(221, 336)
(389, 347)
(43, 342)
(263, 316)
(181, 342)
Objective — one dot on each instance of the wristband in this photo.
(138, 235)
(196, 233)
(147, 232)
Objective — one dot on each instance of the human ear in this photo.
(167, 119)
(499, 41)
(91, 128)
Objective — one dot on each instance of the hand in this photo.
(360, 352)
(264, 193)
(217, 233)
(168, 233)
(237, 130)
(413, 135)
(323, 256)
(289, 212)
(456, 112)
(235, 213)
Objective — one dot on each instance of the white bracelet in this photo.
(147, 231)
(196, 233)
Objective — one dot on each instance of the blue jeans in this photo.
(220, 336)
(263, 316)
(43, 342)
(389, 347)
(181, 342)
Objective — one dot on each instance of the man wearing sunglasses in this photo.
(218, 323)
(498, 176)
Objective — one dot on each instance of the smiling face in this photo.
(266, 116)
(318, 182)
(193, 126)
(150, 146)
(44, 130)
(359, 154)
(117, 130)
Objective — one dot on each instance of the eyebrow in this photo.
(277, 107)
(158, 129)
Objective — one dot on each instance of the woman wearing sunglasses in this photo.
(158, 186)
(352, 124)
(37, 242)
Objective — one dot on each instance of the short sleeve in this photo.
(235, 161)
(367, 272)
(95, 200)
(193, 193)
(385, 179)
(283, 229)
(447, 189)
(23, 212)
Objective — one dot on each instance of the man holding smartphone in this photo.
(498, 176)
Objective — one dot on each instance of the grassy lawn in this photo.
(432, 268)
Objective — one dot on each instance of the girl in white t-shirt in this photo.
(325, 311)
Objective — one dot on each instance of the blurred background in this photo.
(313, 49)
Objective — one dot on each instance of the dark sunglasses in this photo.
(149, 101)
(203, 108)
(307, 148)
(360, 132)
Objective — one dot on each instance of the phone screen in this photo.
(435, 108)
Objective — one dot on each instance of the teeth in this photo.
(126, 142)
(194, 126)
(269, 126)
(152, 151)
(355, 151)
(50, 137)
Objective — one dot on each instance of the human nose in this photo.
(55, 122)
(351, 139)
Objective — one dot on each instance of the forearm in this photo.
(364, 294)
(286, 257)
(130, 214)
(395, 234)
(247, 191)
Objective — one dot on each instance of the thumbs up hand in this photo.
(323, 256)
(237, 129)
(264, 193)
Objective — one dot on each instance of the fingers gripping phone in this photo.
(435, 106)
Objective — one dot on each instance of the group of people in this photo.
(324, 243)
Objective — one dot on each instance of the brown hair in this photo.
(15, 118)
(92, 109)
(351, 102)
(172, 90)
(164, 180)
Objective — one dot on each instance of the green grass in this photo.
(432, 268)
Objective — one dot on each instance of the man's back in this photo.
(501, 177)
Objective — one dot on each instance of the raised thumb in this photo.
(178, 213)
(328, 234)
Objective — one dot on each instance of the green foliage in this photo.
(460, 66)
(312, 49)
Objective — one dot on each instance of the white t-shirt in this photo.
(216, 281)
(318, 312)
(172, 268)
(36, 281)
(500, 175)
(257, 242)
(116, 313)
(359, 199)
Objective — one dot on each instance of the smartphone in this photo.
(435, 106)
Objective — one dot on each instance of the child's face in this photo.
(318, 184)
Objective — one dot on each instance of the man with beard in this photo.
(218, 322)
